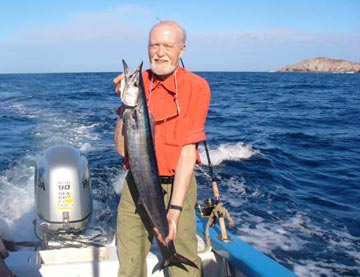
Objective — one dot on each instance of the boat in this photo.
(63, 207)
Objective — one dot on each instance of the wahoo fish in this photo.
(140, 151)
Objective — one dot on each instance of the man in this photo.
(179, 101)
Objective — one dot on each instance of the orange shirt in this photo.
(180, 128)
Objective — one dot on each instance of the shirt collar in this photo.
(169, 83)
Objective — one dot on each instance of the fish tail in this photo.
(175, 260)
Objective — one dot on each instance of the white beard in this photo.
(163, 71)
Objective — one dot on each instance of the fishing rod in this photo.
(214, 184)
(213, 181)
(212, 207)
(212, 176)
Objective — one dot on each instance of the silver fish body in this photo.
(143, 165)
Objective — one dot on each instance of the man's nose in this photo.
(161, 51)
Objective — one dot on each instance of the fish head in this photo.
(130, 95)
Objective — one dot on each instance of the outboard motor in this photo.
(63, 190)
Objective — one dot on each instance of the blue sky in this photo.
(93, 36)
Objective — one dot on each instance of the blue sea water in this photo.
(285, 149)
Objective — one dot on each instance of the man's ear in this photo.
(182, 50)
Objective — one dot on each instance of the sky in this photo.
(229, 35)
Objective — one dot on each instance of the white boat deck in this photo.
(90, 262)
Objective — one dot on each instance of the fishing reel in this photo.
(207, 207)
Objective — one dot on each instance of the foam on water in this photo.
(311, 268)
(67, 131)
(228, 152)
(269, 237)
(292, 234)
(17, 201)
(118, 182)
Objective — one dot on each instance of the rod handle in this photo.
(215, 190)
(223, 228)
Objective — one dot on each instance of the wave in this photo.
(16, 207)
(228, 152)
(294, 235)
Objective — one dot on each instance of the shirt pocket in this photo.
(175, 132)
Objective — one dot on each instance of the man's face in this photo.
(165, 49)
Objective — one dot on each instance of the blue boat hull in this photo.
(241, 256)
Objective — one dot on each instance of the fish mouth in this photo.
(130, 94)
(131, 75)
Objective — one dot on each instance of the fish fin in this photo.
(175, 260)
(126, 68)
(139, 68)
(140, 201)
(152, 123)
(138, 206)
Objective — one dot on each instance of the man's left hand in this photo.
(173, 219)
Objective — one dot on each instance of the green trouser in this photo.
(134, 240)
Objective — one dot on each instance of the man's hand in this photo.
(117, 83)
(159, 236)
(173, 217)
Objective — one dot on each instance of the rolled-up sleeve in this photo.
(197, 113)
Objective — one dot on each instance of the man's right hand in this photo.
(117, 82)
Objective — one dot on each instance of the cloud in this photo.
(121, 21)
(268, 49)
(91, 41)
(98, 41)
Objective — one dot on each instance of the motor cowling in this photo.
(63, 189)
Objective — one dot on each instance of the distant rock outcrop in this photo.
(322, 65)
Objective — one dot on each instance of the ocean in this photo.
(285, 149)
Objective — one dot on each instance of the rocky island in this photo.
(323, 65)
